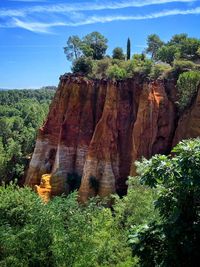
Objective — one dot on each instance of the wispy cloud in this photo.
(87, 6)
(43, 18)
(28, 1)
(165, 13)
(41, 27)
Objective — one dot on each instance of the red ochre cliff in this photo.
(98, 128)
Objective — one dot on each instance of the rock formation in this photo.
(96, 129)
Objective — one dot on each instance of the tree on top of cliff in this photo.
(94, 45)
(180, 46)
(128, 52)
(118, 53)
(153, 44)
(73, 48)
(82, 65)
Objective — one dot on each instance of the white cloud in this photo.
(12, 13)
(28, 1)
(38, 27)
(104, 19)
(41, 27)
(87, 6)
(102, 5)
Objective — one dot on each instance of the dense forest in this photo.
(22, 112)
(156, 224)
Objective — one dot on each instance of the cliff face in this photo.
(97, 129)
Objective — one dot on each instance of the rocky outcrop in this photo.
(189, 122)
(96, 129)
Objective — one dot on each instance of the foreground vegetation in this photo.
(156, 224)
(22, 112)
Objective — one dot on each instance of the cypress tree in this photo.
(128, 53)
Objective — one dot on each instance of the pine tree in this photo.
(128, 53)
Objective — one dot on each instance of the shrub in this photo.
(118, 53)
(183, 65)
(139, 64)
(187, 84)
(167, 53)
(136, 207)
(100, 68)
(160, 70)
(115, 72)
(82, 65)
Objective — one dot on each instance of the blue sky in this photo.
(33, 33)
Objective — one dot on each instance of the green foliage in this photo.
(140, 64)
(189, 48)
(153, 44)
(60, 233)
(73, 48)
(82, 65)
(178, 39)
(160, 71)
(188, 85)
(120, 69)
(181, 52)
(167, 53)
(179, 47)
(100, 68)
(10, 97)
(115, 72)
(118, 53)
(174, 239)
(21, 113)
(128, 51)
(136, 207)
(183, 65)
(94, 45)
(26, 229)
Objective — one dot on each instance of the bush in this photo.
(115, 72)
(183, 65)
(174, 239)
(139, 64)
(167, 53)
(160, 71)
(82, 65)
(118, 53)
(59, 233)
(136, 207)
(187, 84)
(100, 68)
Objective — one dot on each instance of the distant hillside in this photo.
(49, 87)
